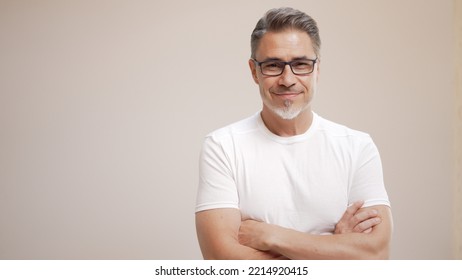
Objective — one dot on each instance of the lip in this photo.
(287, 94)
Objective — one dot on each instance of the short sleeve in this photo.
(367, 183)
(217, 187)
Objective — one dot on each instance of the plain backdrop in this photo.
(104, 106)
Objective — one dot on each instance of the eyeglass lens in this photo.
(299, 67)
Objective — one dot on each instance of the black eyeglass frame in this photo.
(259, 63)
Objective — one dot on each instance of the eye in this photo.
(302, 64)
(272, 65)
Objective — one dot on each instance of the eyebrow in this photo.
(278, 59)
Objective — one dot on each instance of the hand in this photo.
(255, 234)
(358, 220)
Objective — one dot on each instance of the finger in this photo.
(347, 221)
(367, 225)
(353, 208)
(363, 215)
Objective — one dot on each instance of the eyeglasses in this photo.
(276, 67)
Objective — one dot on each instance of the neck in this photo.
(287, 128)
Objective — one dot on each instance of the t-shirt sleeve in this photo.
(217, 187)
(367, 183)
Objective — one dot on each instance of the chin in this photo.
(288, 113)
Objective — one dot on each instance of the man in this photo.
(286, 183)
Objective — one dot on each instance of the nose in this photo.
(287, 77)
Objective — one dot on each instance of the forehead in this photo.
(285, 45)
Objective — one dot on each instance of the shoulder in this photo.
(221, 143)
(343, 137)
(242, 127)
(336, 130)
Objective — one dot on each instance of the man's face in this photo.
(286, 95)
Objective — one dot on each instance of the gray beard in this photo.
(288, 112)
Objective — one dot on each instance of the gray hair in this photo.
(280, 19)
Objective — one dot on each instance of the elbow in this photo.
(376, 252)
(217, 253)
(211, 257)
(213, 254)
(378, 255)
(383, 253)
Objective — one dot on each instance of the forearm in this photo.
(237, 252)
(297, 245)
(217, 232)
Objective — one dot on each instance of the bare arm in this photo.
(217, 231)
(298, 245)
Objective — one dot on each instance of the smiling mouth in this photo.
(287, 94)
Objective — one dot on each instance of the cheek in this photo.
(266, 84)
(310, 85)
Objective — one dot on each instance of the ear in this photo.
(253, 70)
(318, 70)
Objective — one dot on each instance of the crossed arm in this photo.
(217, 232)
(362, 233)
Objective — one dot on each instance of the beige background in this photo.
(104, 105)
(458, 134)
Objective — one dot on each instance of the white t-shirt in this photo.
(304, 182)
